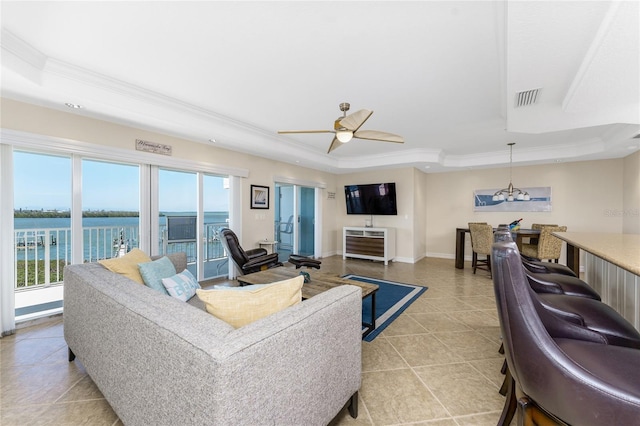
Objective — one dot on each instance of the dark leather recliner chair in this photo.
(253, 260)
(561, 371)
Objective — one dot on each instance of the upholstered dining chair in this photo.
(481, 240)
(548, 247)
(538, 227)
(561, 374)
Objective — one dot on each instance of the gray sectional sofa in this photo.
(160, 361)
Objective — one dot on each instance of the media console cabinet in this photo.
(369, 243)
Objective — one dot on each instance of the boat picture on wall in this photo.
(539, 201)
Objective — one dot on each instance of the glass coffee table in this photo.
(320, 282)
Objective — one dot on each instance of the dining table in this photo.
(518, 237)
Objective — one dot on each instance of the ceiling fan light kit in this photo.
(347, 127)
(510, 190)
(344, 136)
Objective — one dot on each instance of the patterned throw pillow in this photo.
(127, 265)
(153, 272)
(240, 306)
(182, 286)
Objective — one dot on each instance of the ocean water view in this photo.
(102, 236)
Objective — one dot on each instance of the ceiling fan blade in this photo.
(305, 131)
(375, 135)
(335, 144)
(354, 121)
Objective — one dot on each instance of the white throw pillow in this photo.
(182, 286)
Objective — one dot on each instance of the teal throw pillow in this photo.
(153, 272)
(182, 286)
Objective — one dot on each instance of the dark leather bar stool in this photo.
(531, 263)
(547, 281)
(594, 315)
(584, 312)
(560, 284)
(540, 267)
(559, 371)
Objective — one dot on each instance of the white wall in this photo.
(420, 215)
(587, 196)
(403, 222)
(256, 224)
(583, 196)
(631, 194)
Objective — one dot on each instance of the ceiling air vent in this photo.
(528, 97)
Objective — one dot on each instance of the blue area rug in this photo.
(392, 299)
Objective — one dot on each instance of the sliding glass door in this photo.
(110, 209)
(193, 208)
(306, 220)
(294, 220)
(177, 210)
(42, 231)
(284, 220)
(216, 217)
(66, 208)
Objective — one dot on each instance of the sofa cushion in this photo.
(182, 286)
(127, 265)
(153, 272)
(240, 306)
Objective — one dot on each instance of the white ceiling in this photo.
(444, 75)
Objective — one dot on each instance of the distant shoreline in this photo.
(66, 214)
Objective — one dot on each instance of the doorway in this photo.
(295, 212)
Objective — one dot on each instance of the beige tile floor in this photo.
(437, 364)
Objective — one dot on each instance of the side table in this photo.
(269, 246)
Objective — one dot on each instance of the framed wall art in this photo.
(540, 201)
(259, 197)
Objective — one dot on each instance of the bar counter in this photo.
(612, 268)
(622, 250)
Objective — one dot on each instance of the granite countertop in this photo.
(622, 250)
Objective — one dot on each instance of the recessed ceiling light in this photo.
(212, 140)
(74, 106)
(427, 167)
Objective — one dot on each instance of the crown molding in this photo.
(73, 147)
(172, 116)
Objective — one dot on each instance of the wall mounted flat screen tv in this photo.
(372, 199)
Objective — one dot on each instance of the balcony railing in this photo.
(37, 248)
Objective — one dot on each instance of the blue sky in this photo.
(44, 182)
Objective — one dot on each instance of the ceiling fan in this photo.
(348, 126)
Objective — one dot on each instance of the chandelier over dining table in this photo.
(511, 190)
